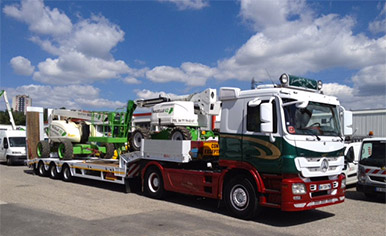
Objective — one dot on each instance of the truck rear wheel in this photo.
(154, 186)
(240, 198)
(43, 149)
(136, 137)
(65, 150)
(180, 133)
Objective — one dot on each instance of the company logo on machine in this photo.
(324, 165)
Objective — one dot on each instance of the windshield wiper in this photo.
(310, 132)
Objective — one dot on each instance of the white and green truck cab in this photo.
(372, 167)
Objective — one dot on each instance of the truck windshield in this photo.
(316, 119)
(17, 141)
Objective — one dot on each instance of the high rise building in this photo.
(21, 102)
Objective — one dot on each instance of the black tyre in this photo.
(85, 133)
(9, 161)
(136, 137)
(42, 170)
(66, 174)
(65, 150)
(154, 186)
(35, 169)
(240, 198)
(109, 151)
(53, 171)
(43, 149)
(180, 133)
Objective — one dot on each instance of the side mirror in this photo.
(6, 144)
(302, 104)
(347, 123)
(266, 118)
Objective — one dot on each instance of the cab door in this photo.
(258, 148)
(3, 148)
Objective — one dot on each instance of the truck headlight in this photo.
(343, 184)
(298, 188)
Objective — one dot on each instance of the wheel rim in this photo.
(53, 171)
(177, 136)
(137, 139)
(41, 169)
(39, 150)
(154, 182)
(66, 173)
(61, 150)
(239, 197)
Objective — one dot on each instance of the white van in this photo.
(351, 159)
(13, 146)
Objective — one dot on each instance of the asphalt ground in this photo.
(34, 205)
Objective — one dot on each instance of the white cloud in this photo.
(371, 80)
(189, 4)
(71, 97)
(368, 91)
(147, 94)
(41, 19)
(76, 68)
(193, 74)
(379, 24)
(22, 66)
(131, 80)
(83, 49)
(268, 13)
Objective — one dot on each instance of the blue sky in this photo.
(96, 55)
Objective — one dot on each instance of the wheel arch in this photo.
(147, 166)
(251, 174)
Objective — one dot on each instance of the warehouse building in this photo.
(365, 121)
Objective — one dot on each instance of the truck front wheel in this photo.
(154, 186)
(240, 198)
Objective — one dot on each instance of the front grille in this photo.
(378, 179)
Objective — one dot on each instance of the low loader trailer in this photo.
(279, 146)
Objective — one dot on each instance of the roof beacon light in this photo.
(284, 79)
(320, 85)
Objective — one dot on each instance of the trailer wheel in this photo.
(66, 174)
(35, 169)
(180, 133)
(136, 137)
(42, 170)
(65, 150)
(109, 151)
(53, 171)
(240, 198)
(154, 186)
(43, 149)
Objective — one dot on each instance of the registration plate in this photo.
(380, 190)
(324, 186)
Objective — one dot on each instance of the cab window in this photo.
(253, 118)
